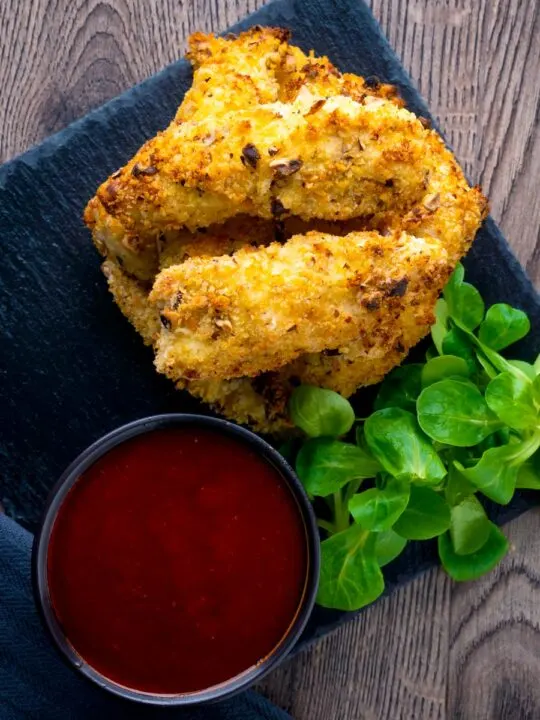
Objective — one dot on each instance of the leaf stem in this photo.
(529, 447)
(325, 525)
(351, 488)
(341, 513)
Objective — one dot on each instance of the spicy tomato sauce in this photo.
(177, 561)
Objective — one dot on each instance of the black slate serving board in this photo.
(71, 367)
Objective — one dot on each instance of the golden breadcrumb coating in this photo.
(127, 250)
(262, 401)
(299, 71)
(254, 311)
(232, 75)
(342, 161)
(131, 296)
(283, 192)
(256, 68)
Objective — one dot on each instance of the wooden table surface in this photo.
(434, 649)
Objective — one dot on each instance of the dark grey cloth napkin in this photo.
(36, 683)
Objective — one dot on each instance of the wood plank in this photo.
(477, 63)
(390, 662)
(495, 635)
(105, 48)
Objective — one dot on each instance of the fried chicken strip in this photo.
(299, 72)
(256, 311)
(257, 67)
(260, 402)
(257, 73)
(345, 160)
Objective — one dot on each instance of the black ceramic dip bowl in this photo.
(177, 561)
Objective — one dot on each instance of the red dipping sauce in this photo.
(177, 561)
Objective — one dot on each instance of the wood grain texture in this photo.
(477, 63)
(433, 650)
(59, 59)
(494, 635)
(391, 662)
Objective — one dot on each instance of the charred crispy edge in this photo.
(483, 202)
(200, 44)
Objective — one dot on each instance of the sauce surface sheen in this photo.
(177, 561)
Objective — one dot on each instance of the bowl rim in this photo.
(69, 477)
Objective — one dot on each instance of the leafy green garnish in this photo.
(526, 368)
(455, 413)
(465, 304)
(400, 388)
(469, 526)
(474, 565)
(320, 412)
(456, 342)
(388, 546)
(440, 328)
(503, 326)
(463, 425)
(351, 576)
(400, 446)
(379, 508)
(426, 516)
(324, 465)
(442, 367)
(529, 474)
(512, 398)
(496, 473)
(457, 487)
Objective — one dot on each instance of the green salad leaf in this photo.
(457, 487)
(456, 342)
(503, 326)
(469, 526)
(379, 508)
(442, 434)
(494, 474)
(525, 368)
(455, 413)
(388, 546)
(397, 442)
(512, 399)
(528, 477)
(320, 412)
(400, 388)
(529, 473)
(442, 367)
(351, 576)
(465, 304)
(440, 327)
(426, 516)
(324, 465)
(455, 279)
(473, 565)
